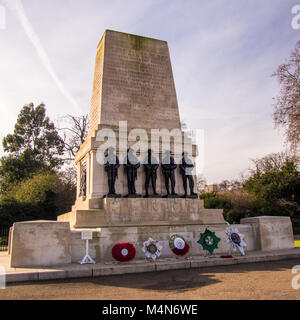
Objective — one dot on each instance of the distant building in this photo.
(211, 188)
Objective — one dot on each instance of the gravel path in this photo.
(270, 280)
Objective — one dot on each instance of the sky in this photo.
(223, 53)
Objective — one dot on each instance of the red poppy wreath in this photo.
(178, 245)
(123, 251)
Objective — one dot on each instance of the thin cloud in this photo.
(17, 9)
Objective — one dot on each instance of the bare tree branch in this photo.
(287, 105)
(74, 134)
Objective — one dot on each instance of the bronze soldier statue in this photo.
(83, 182)
(168, 168)
(111, 163)
(131, 164)
(150, 166)
(186, 167)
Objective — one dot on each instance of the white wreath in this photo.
(231, 232)
(149, 254)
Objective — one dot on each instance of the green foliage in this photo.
(31, 187)
(3, 241)
(275, 192)
(234, 204)
(215, 201)
(12, 211)
(35, 134)
(14, 169)
(37, 189)
(43, 196)
(34, 145)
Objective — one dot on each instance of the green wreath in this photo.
(209, 241)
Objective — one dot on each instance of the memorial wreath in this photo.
(152, 249)
(209, 240)
(178, 245)
(123, 251)
(235, 238)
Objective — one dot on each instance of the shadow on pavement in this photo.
(171, 280)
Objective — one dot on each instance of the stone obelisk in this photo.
(133, 82)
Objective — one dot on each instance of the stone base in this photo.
(103, 240)
(273, 233)
(113, 195)
(143, 211)
(133, 196)
(48, 243)
(171, 196)
(153, 196)
(40, 243)
(190, 196)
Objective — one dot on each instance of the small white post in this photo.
(86, 235)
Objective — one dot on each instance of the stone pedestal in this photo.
(272, 232)
(143, 211)
(136, 220)
(40, 243)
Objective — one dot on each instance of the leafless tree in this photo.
(224, 185)
(236, 184)
(66, 194)
(227, 185)
(74, 133)
(272, 161)
(287, 105)
(201, 183)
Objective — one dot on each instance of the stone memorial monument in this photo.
(134, 91)
(135, 137)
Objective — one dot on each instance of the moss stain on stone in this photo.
(137, 42)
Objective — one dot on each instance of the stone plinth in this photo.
(40, 243)
(272, 232)
(137, 235)
(143, 211)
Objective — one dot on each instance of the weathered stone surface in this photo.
(52, 274)
(272, 232)
(123, 269)
(165, 265)
(40, 243)
(133, 81)
(144, 211)
(139, 234)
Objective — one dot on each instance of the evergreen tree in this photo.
(35, 144)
